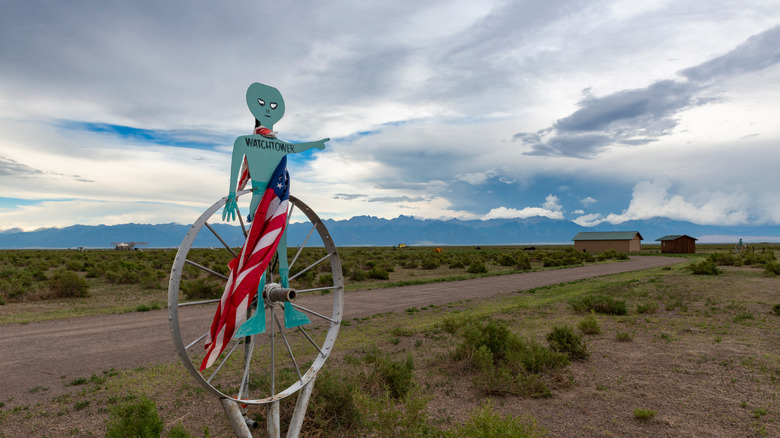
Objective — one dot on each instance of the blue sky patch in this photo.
(172, 137)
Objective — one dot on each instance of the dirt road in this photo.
(40, 354)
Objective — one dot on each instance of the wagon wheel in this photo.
(266, 367)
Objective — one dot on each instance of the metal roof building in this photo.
(678, 244)
(621, 241)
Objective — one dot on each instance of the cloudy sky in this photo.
(126, 111)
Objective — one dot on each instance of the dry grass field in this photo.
(659, 352)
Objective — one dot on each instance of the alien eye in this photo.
(261, 102)
(273, 105)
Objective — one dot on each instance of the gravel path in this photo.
(39, 354)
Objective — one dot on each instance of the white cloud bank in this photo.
(652, 199)
(550, 209)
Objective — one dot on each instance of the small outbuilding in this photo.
(677, 244)
(621, 241)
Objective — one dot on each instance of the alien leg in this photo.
(292, 317)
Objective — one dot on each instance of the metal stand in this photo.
(237, 421)
(240, 424)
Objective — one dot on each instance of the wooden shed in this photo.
(621, 241)
(678, 244)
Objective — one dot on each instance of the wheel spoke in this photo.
(311, 266)
(314, 289)
(220, 239)
(273, 358)
(289, 214)
(247, 362)
(303, 245)
(300, 328)
(241, 221)
(190, 345)
(227, 356)
(190, 262)
(289, 350)
(313, 313)
(195, 303)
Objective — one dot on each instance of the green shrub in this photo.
(649, 307)
(477, 267)
(536, 359)
(324, 280)
(611, 254)
(776, 309)
(149, 278)
(123, 272)
(397, 378)
(431, 262)
(522, 261)
(410, 264)
(357, 275)
(564, 340)
(485, 422)
(772, 268)
(504, 363)
(36, 273)
(506, 260)
(201, 289)
(589, 325)
(644, 414)
(494, 335)
(378, 274)
(722, 258)
(624, 337)
(68, 284)
(178, 431)
(332, 406)
(454, 323)
(599, 304)
(459, 263)
(704, 267)
(387, 417)
(138, 418)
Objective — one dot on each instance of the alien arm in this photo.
(231, 207)
(300, 147)
(235, 162)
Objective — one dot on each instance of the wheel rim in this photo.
(266, 367)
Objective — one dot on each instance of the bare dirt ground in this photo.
(43, 354)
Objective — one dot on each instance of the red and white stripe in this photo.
(245, 273)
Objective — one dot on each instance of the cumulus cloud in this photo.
(551, 208)
(589, 220)
(477, 178)
(588, 201)
(653, 199)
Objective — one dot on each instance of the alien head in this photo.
(265, 103)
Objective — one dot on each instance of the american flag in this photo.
(247, 269)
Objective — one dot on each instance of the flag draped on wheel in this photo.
(246, 270)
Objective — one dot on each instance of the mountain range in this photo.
(373, 231)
